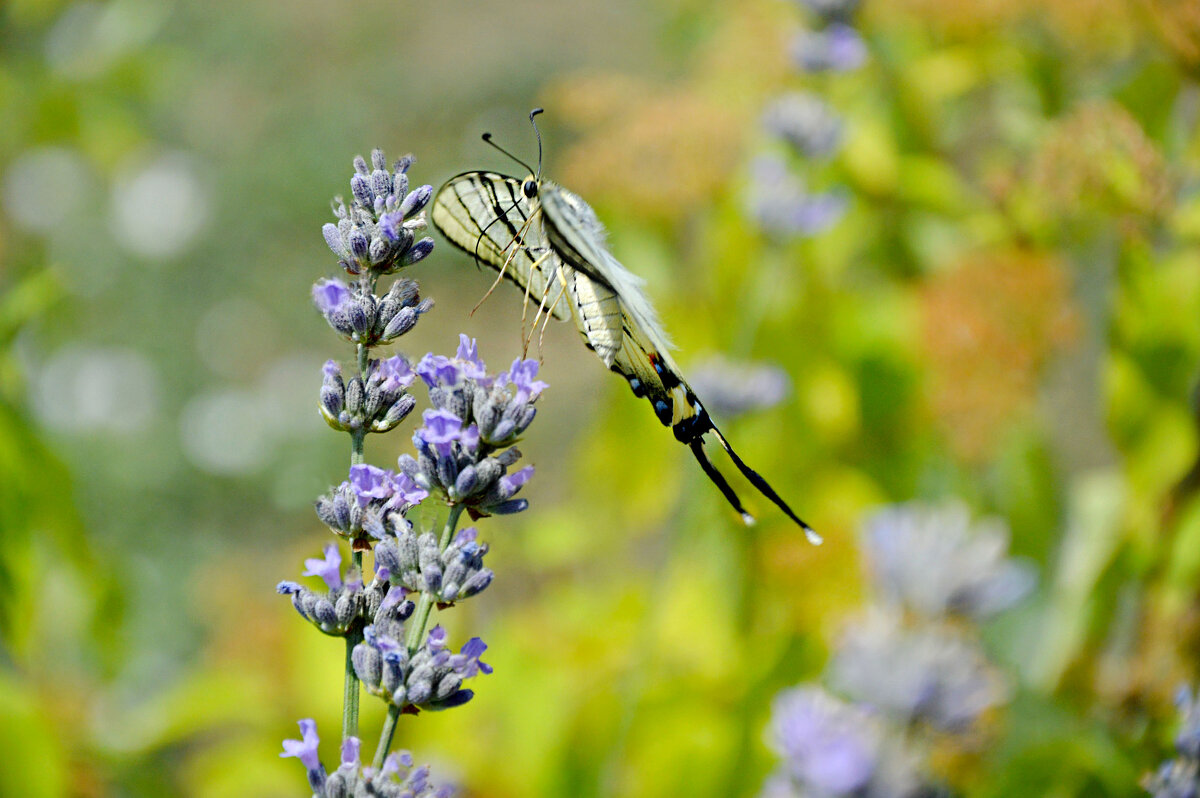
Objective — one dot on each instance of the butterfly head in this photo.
(530, 187)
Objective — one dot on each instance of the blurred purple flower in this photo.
(781, 205)
(1180, 777)
(836, 48)
(806, 122)
(934, 561)
(733, 388)
(831, 748)
(932, 673)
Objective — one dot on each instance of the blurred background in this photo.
(958, 260)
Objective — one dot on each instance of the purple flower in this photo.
(305, 749)
(439, 370)
(329, 568)
(391, 224)
(405, 491)
(330, 295)
(441, 428)
(511, 483)
(370, 482)
(437, 639)
(470, 438)
(1187, 741)
(395, 595)
(395, 374)
(393, 763)
(467, 662)
(522, 375)
(384, 643)
(831, 9)
(733, 388)
(350, 750)
(468, 357)
(930, 673)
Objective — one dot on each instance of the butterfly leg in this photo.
(546, 321)
(514, 246)
(542, 306)
(495, 283)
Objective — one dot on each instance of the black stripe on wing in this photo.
(485, 215)
(467, 209)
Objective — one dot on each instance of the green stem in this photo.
(363, 357)
(350, 694)
(385, 736)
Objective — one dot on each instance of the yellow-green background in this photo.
(1009, 313)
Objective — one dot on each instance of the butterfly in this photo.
(549, 242)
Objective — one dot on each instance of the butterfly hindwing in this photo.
(486, 215)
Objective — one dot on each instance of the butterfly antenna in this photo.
(487, 137)
(537, 133)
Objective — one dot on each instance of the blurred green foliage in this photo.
(1010, 313)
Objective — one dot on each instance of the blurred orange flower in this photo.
(1097, 159)
(1178, 22)
(659, 153)
(663, 152)
(1096, 24)
(989, 325)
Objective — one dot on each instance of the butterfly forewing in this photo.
(486, 215)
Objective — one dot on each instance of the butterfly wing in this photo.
(618, 322)
(486, 215)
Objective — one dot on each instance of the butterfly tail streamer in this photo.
(756, 480)
(718, 479)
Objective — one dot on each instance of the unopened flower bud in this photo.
(403, 321)
(396, 413)
(419, 251)
(354, 396)
(368, 664)
(360, 186)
